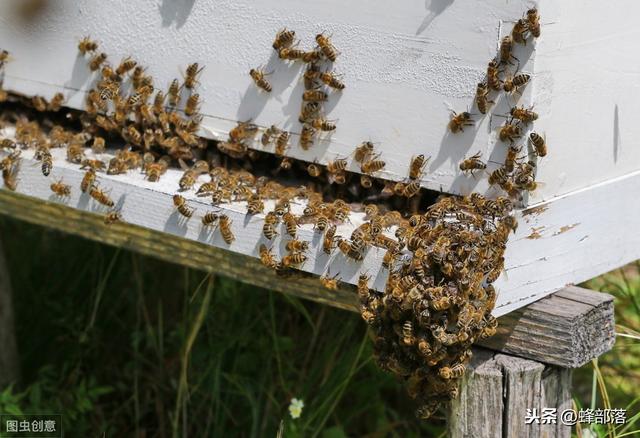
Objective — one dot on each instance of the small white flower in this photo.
(295, 408)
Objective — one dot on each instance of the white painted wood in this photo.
(566, 240)
(405, 65)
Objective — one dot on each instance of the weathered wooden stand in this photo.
(543, 342)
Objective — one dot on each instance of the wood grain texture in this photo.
(568, 328)
(478, 410)
(9, 360)
(497, 391)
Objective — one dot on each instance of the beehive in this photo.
(405, 68)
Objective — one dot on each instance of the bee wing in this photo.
(183, 165)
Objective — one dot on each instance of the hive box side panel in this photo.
(405, 66)
(586, 88)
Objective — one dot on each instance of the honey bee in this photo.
(269, 227)
(314, 170)
(39, 103)
(327, 47)
(7, 143)
(191, 106)
(284, 38)
(519, 30)
(330, 283)
(56, 102)
(331, 80)
(366, 181)
(158, 102)
(190, 175)
(416, 166)
(267, 258)
(408, 337)
(506, 47)
(236, 150)
(242, 130)
(258, 77)
(109, 75)
(373, 165)
(512, 84)
(389, 258)
(210, 219)
(297, 246)
(88, 180)
(290, 224)
(92, 164)
(510, 132)
(363, 151)
(482, 91)
(306, 137)
(523, 114)
(174, 93)
(154, 170)
(308, 111)
(291, 54)
(75, 153)
(500, 177)
(100, 196)
(133, 135)
(454, 372)
(285, 163)
(310, 75)
(314, 96)
(269, 134)
(47, 160)
(255, 205)
(225, 229)
(321, 222)
(61, 189)
(337, 165)
(492, 75)
(97, 61)
(281, 143)
(363, 286)
(192, 72)
(113, 217)
(473, 163)
(87, 45)
(293, 259)
(312, 56)
(539, 143)
(459, 121)
(181, 205)
(125, 66)
(328, 243)
(510, 159)
(411, 189)
(533, 22)
(10, 177)
(322, 124)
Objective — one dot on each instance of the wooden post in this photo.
(9, 363)
(497, 391)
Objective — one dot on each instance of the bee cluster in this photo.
(438, 301)
(515, 175)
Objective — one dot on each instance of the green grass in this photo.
(127, 345)
(130, 346)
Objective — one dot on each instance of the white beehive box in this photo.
(405, 65)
